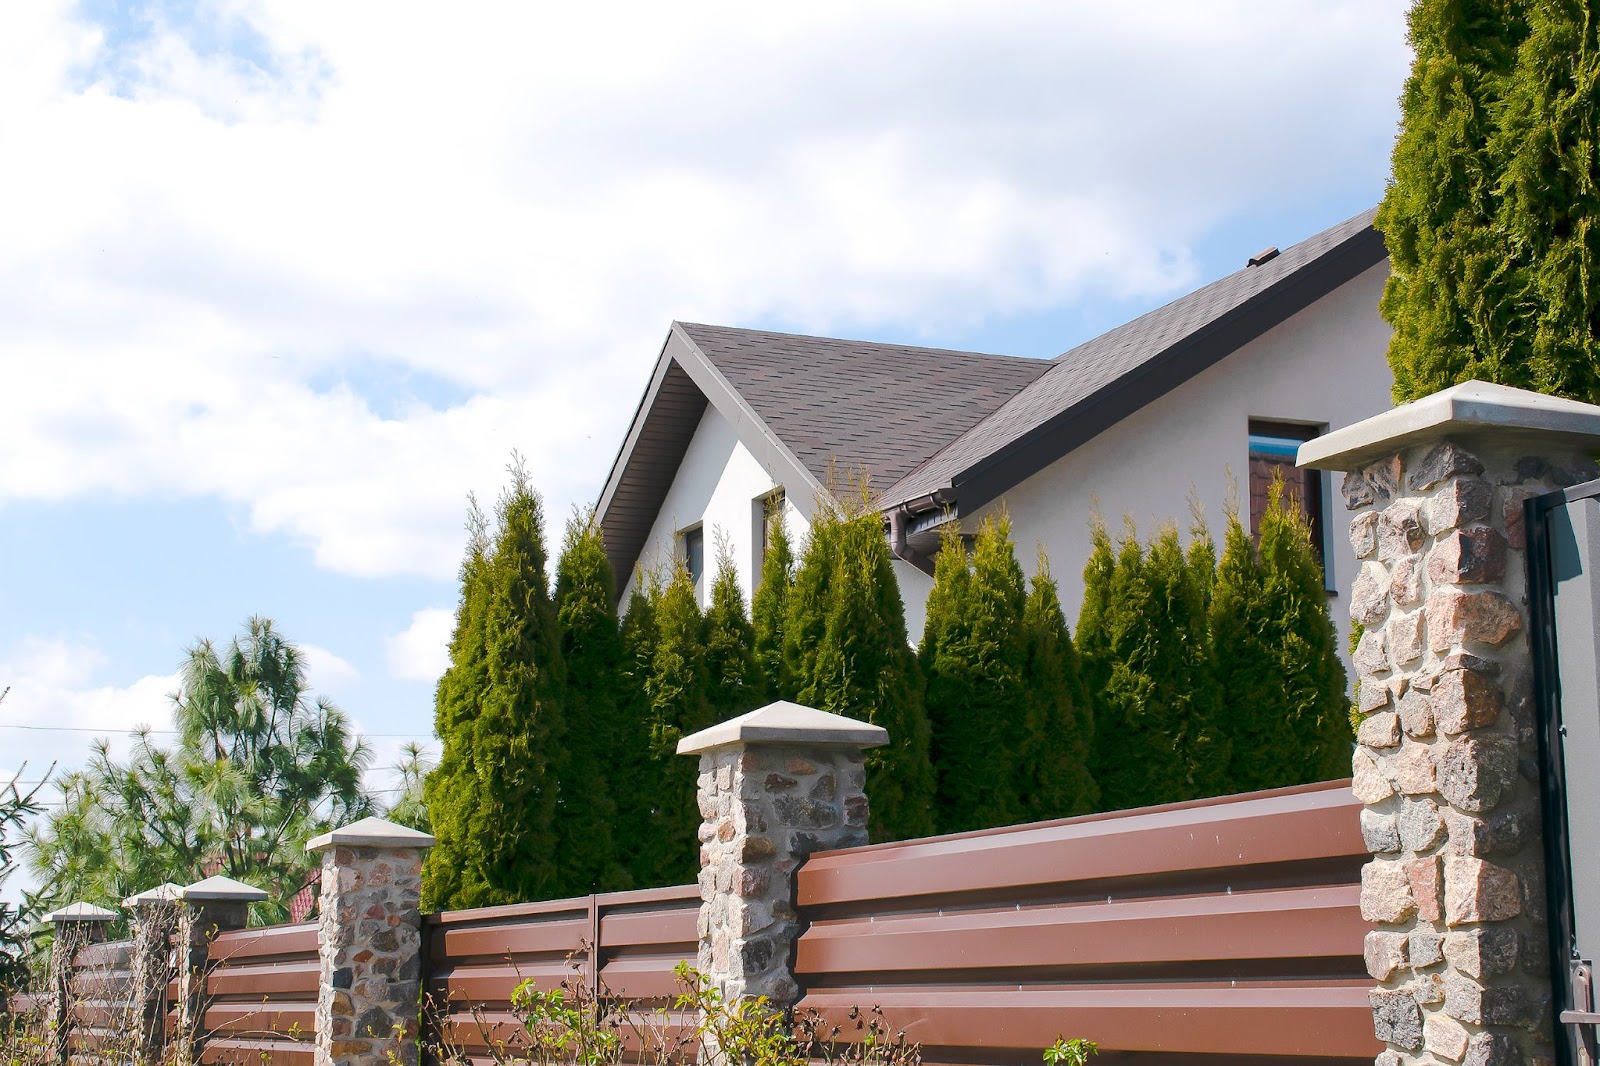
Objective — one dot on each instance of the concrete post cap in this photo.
(222, 888)
(786, 723)
(1466, 410)
(167, 893)
(81, 912)
(370, 833)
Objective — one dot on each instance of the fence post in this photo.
(370, 938)
(1446, 758)
(75, 926)
(775, 785)
(155, 920)
(214, 905)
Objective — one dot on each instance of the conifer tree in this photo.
(1457, 284)
(1054, 776)
(638, 783)
(861, 665)
(450, 786)
(974, 655)
(769, 610)
(1247, 663)
(733, 683)
(677, 690)
(591, 651)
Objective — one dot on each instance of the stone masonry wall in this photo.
(1446, 757)
(764, 809)
(370, 930)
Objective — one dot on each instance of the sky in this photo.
(282, 282)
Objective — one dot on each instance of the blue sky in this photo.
(282, 282)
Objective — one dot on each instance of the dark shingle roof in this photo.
(883, 408)
(1251, 299)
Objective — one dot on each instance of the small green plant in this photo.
(1073, 1052)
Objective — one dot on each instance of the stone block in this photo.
(1468, 557)
(1369, 595)
(1415, 711)
(1380, 832)
(1459, 503)
(1484, 951)
(1414, 771)
(1385, 953)
(1372, 654)
(1405, 581)
(1356, 492)
(1479, 891)
(1406, 637)
(1396, 1018)
(1364, 534)
(1384, 476)
(1425, 947)
(1368, 782)
(1445, 1037)
(1422, 876)
(1420, 825)
(1372, 696)
(1493, 1049)
(1477, 770)
(1386, 892)
(1444, 460)
(1458, 617)
(1467, 1001)
(1381, 730)
(1399, 530)
(1511, 516)
(1465, 699)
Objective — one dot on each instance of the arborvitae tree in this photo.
(1054, 776)
(862, 666)
(637, 779)
(769, 610)
(1094, 640)
(974, 657)
(1458, 284)
(1549, 199)
(1155, 730)
(519, 737)
(591, 651)
(1306, 645)
(1247, 664)
(730, 659)
(451, 787)
(677, 689)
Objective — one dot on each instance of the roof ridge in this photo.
(813, 338)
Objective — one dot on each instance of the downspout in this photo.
(901, 515)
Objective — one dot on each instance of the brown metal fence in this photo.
(263, 996)
(622, 944)
(1227, 927)
(102, 998)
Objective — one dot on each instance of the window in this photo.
(765, 514)
(1273, 446)
(692, 544)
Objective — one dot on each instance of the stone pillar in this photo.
(370, 932)
(1446, 759)
(75, 927)
(215, 905)
(154, 923)
(775, 785)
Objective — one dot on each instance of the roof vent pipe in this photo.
(1266, 255)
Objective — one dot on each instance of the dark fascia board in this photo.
(752, 431)
(991, 477)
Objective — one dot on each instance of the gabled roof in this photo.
(798, 402)
(1102, 381)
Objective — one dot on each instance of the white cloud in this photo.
(516, 199)
(421, 652)
(325, 671)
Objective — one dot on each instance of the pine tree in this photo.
(450, 787)
(862, 666)
(974, 656)
(637, 779)
(591, 650)
(1054, 776)
(769, 609)
(1454, 291)
(677, 690)
(733, 682)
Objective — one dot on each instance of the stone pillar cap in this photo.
(1466, 410)
(222, 888)
(370, 833)
(786, 723)
(81, 912)
(167, 893)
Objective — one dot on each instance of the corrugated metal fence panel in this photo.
(477, 958)
(263, 996)
(1226, 927)
(102, 1009)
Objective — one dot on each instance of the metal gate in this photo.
(1563, 530)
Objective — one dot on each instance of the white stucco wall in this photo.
(719, 485)
(1325, 365)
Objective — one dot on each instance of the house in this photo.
(1220, 385)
